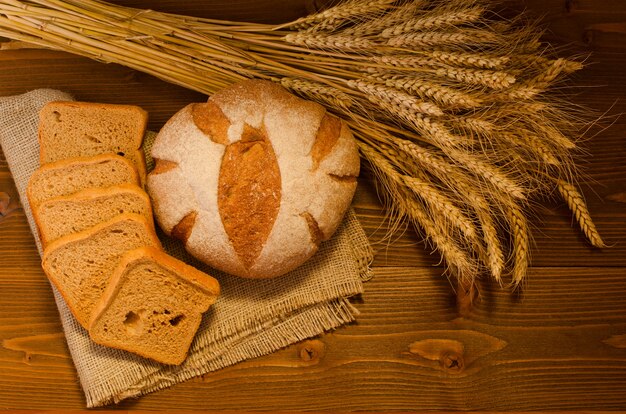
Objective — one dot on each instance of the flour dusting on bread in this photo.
(264, 127)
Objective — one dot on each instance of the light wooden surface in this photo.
(561, 344)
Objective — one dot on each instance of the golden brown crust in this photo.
(51, 109)
(70, 238)
(209, 285)
(210, 119)
(102, 158)
(161, 166)
(183, 229)
(90, 194)
(317, 236)
(249, 182)
(75, 237)
(326, 138)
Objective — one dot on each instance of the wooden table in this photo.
(561, 344)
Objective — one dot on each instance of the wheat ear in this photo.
(376, 92)
(521, 245)
(437, 201)
(578, 207)
(331, 18)
(310, 89)
(444, 96)
(431, 21)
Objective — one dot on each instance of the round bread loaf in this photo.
(253, 180)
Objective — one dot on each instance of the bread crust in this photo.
(91, 194)
(318, 163)
(66, 163)
(82, 235)
(188, 274)
(136, 154)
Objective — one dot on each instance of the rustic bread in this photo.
(64, 215)
(80, 264)
(70, 129)
(72, 175)
(152, 306)
(253, 180)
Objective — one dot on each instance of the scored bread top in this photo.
(72, 213)
(76, 129)
(75, 174)
(254, 179)
(80, 264)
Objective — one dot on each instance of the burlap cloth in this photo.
(251, 318)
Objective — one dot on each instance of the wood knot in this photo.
(452, 362)
(311, 351)
(455, 351)
(7, 204)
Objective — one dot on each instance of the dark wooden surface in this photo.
(560, 345)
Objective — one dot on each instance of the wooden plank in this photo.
(407, 350)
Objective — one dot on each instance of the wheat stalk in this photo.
(444, 98)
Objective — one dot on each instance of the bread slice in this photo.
(153, 306)
(69, 176)
(64, 215)
(80, 264)
(77, 129)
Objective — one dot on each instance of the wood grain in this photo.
(558, 344)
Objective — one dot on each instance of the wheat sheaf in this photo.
(449, 102)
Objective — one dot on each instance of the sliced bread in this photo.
(76, 129)
(80, 264)
(153, 306)
(72, 175)
(64, 215)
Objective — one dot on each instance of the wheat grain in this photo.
(333, 17)
(310, 89)
(330, 42)
(531, 88)
(395, 97)
(444, 96)
(474, 60)
(488, 171)
(577, 205)
(456, 39)
(376, 24)
(533, 144)
(406, 61)
(495, 255)
(492, 79)
(464, 266)
(440, 203)
(435, 20)
(521, 245)
(431, 130)
(427, 192)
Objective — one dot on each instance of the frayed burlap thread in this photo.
(250, 319)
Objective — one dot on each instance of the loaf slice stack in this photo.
(78, 129)
(152, 306)
(90, 209)
(60, 216)
(81, 264)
